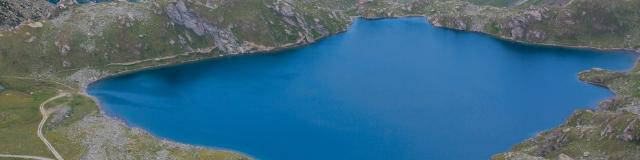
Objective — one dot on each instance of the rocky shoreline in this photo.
(119, 125)
(508, 155)
(191, 26)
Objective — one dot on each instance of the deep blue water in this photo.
(386, 89)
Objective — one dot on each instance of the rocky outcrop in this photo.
(224, 39)
(598, 76)
(294, 19)
(551, 142)
(86, 76)
(508, 24)
(631, 133)
(519, 156)
(233, 36)
(585, 23)
(15, 12)
(519, 26)
(610, 131)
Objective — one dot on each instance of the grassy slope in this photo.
(19, 116)
(97, 35)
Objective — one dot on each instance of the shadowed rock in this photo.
(224, 39)
(15, 12)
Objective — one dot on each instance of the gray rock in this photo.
(16, 12)
(556, 139)
(224, 39)
(2, 88)
(520, 156)
(31, 39)
(86, 76)
(629, 132)
(563, 156)
(284, 9)
(180, 14)
(633, 108)
(60, 114)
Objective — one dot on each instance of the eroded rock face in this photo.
(15, 12)
(555, 140)
(285, 9)
(179, 14)
(519, 26)
(224, 39)
(631, 133)
(512, 25)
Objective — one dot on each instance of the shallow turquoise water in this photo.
(386, 89)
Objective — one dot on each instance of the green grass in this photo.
(497, 3)
(57, 133)
(19, 116)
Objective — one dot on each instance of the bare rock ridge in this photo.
(224, 39)
(15, 12)
(294, 20)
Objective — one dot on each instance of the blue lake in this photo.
(385, 89)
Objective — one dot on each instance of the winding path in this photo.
(23, 156)
(45, 115)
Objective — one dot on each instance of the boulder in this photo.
(16, 12)
(563, 156)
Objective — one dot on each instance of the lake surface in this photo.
(386, 89)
